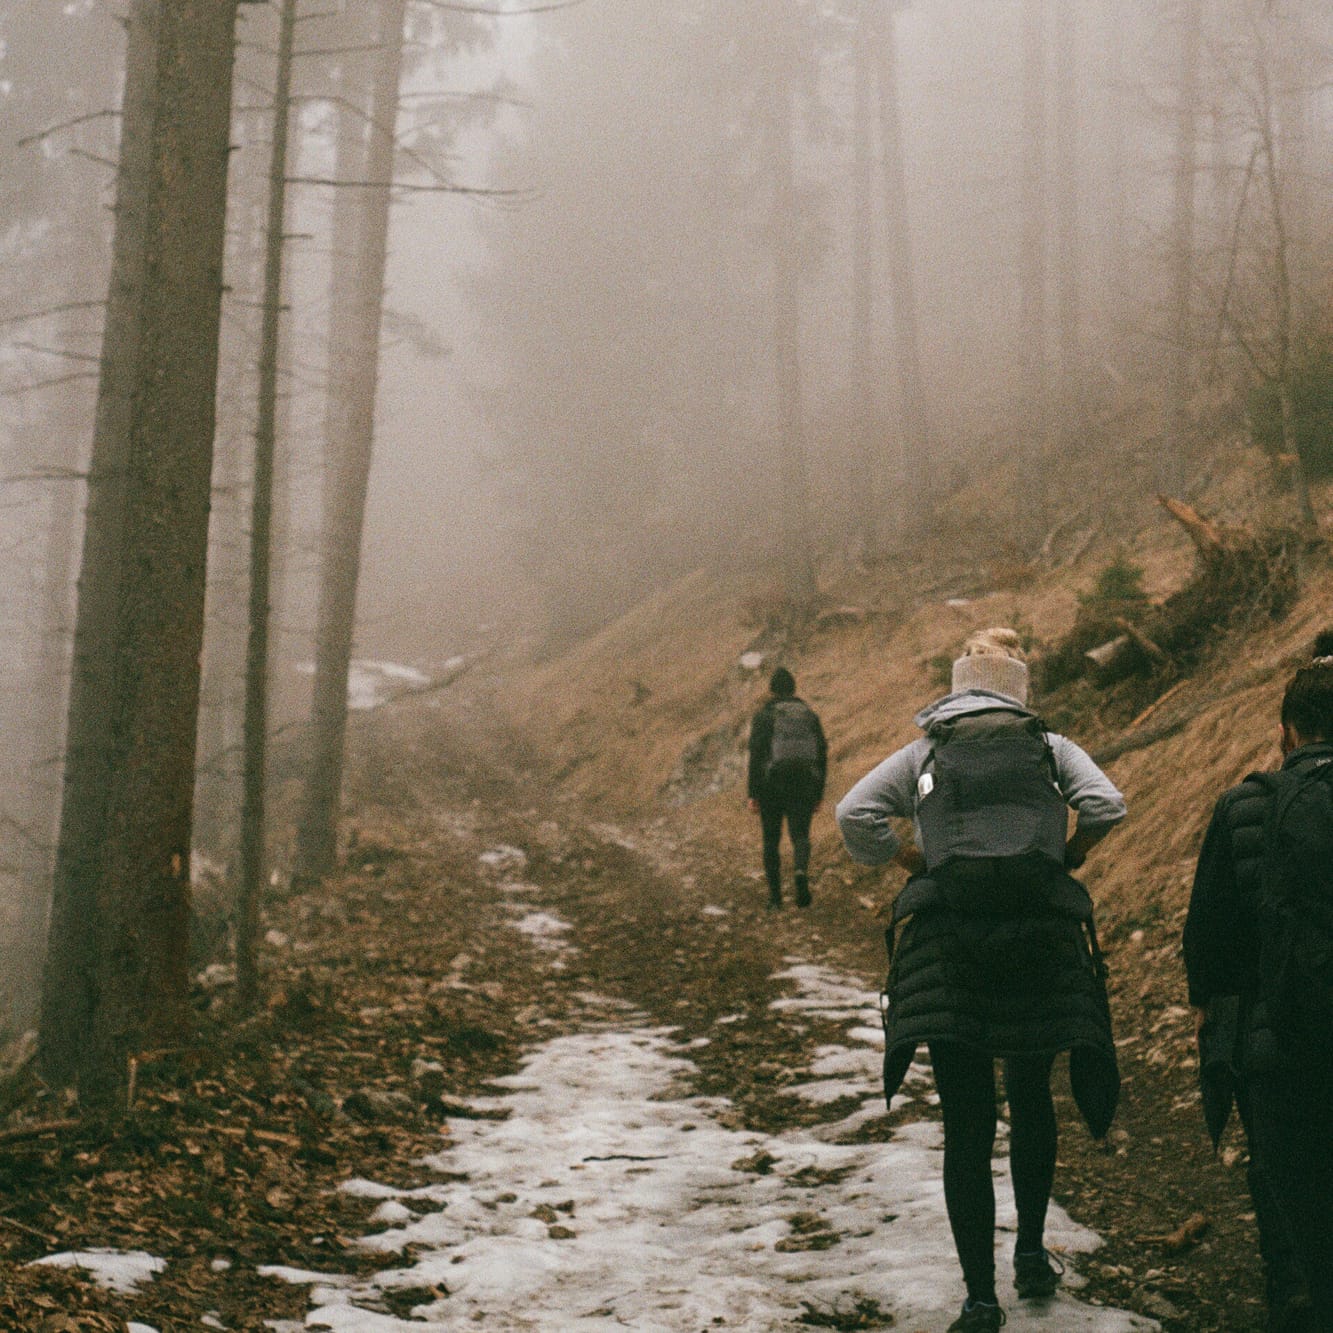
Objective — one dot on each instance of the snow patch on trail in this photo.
(122, 1271)
(609, 1195)
(545, 930)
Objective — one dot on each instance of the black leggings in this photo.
(965, 1080)
(1292, 1118)
(798, 808)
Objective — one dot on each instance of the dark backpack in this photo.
(794, 748)
(1294, 912)
(988, 798)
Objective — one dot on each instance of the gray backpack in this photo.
(988, 797)
(795, 744)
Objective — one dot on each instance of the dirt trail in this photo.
(670, 922)
(796, 1199)
(481, 923)
(1154, 1175)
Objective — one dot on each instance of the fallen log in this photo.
(21, 1133)
(1209, 538)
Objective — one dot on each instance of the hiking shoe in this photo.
(1036, 1275)
(774, 901)
(978, 1317)
(802, 891)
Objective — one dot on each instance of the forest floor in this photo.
(479, 921)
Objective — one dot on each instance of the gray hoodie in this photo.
(890, 789)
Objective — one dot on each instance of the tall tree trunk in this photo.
(868, 466)
(349, 468)
(68, 992)
(116, 974)
(1116, 253)
(1067, 296)
(1032, 273)
(798, 566)
(1171, 471)
(48, 693)
(1284, 298)
(253, 868)
(218, 793)
(917, 466)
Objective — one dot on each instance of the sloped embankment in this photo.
(646, 722)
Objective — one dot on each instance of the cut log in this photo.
(1141, 641)
(1106, 653)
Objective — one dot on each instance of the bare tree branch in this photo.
(442, 188)
(52, 130)
(58, 351)
(496, 13)
(52, 310)
(43, 473)
(93, 157)
(48, 384)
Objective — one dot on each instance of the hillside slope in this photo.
(648, 719)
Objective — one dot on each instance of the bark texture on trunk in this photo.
(869, 462)
(798, 566)
(253, 788)
(355, 340)
(1171, 470)
(915, 473)
(1033, 319)
(116, 976)
(1068, 297)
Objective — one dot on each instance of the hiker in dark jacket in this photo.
(1283, 1087)
(997, 959)
(788, 767)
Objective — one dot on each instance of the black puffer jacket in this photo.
(1221, 939)
(1021, 977)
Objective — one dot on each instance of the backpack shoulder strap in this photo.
(1283, 787)
(1045, 733)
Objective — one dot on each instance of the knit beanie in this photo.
(993, 659)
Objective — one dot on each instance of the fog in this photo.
(640, 301)
(609, 413)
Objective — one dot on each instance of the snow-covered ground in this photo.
(609, 1196)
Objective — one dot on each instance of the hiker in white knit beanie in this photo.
(988, 961)
(993, 659)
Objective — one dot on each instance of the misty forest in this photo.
(427, 425)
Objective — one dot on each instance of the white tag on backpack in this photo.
(925, 784)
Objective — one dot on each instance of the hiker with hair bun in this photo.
(1258, 945)
(997, 958)
(787, 769)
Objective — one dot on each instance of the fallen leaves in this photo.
(1187, 1234)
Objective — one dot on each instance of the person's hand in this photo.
(1078, 847)
(753, 804)
(1200, 1018)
